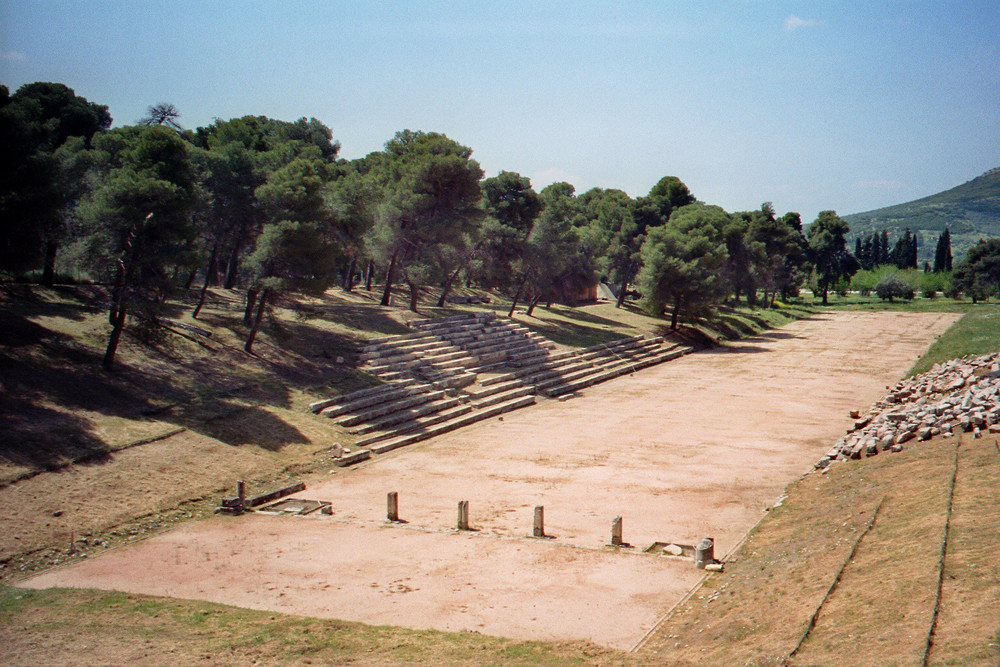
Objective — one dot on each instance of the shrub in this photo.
(892, 287)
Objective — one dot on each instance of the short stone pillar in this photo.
(392, 506)
(463, 514)
(616, 532)
(538, 530)
(704, 553)
(241, 496)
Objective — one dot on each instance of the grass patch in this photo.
(104, 628)
(978, 332)
(880, 613)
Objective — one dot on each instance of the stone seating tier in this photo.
(454, 371)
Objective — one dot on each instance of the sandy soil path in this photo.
(693, 448)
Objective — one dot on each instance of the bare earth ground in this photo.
(696, 447)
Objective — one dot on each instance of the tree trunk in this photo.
(49, 267)
(248, 311)
(116, 315)
(532, 304)
(447, 286)
(349, 278)
(204, 287)
(390, 275)
(368, 275)
(517, 295)
(676, 313)
(256, 320)
(190, 279)
(621, 295)
(117, 325)
(626, 278)
(824, 295)
(232, 267)
(212, 275)
(414, 294)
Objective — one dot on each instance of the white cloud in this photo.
(11, 56)
(793, 22)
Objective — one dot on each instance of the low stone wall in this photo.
(961, 394)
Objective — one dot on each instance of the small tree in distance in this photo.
(892, 287)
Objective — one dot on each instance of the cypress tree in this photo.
(942, 254)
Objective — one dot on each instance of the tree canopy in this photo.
(828, 251)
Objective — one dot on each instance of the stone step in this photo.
(489, 332)
(449, 354)
(553, 358)
(494, 388)
(402, 354)
(356, 456)
(424, 344)
(541, 372)
(495, 379)
(445, 427)
(511, 344)
(453, 323)
(463, 360)
(451, 380)
(475, 330)
(633, 355)
(407, 414)
(393, 376)
(417, 424)
(388, 408)
(563, 378)
(502, 397)
(615, 347)
(613, 372)
(393, 341)
(400, 390)
(526, 356)
(582, 382)
(355, 395)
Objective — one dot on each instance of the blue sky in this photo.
(811, 105)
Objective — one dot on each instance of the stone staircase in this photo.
(454, 371)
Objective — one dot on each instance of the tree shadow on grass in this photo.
(49, 383)
(581, 315)
(571, 334)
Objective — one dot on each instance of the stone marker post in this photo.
(241, 495)
(538, 530)
(463, 514)
(704, 553)
(616, 532)
(392, 502)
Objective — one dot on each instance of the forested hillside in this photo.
(970, 211)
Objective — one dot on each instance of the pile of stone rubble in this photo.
(961, 394)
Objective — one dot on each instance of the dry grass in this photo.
(70, 627)
(880, 612)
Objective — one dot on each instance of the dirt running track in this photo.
(692, 448)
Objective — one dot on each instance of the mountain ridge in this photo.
(971, 211)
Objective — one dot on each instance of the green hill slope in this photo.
(971, 211)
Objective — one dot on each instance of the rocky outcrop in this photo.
(957, 395)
